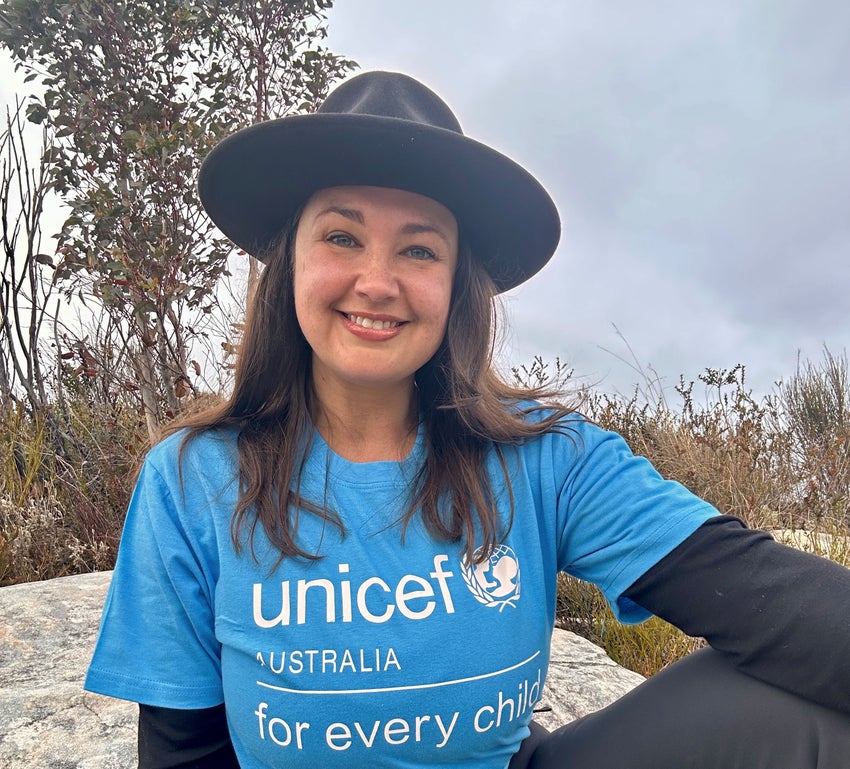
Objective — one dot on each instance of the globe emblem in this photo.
(494, 581)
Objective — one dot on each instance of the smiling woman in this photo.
(373, 281)
(353, 561)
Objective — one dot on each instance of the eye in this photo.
(420, 252)
(341, 239)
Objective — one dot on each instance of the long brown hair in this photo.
(467, 408)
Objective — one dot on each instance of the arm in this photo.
(184, 739)
(780, 615)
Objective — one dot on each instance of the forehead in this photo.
(374, 202)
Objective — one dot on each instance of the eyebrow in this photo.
(417, 229)
(413, 228)
(348, 213)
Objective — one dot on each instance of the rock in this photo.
(47, 721)
(581, 680)
(47, 632)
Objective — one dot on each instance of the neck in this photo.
(367, 425)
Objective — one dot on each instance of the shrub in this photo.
(815, 405)
(39, 540)
(727, 449)
(65, 487)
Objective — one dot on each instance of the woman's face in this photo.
(373, 271)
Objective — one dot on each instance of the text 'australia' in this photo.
(330, 661)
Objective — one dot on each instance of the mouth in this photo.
(372, 323)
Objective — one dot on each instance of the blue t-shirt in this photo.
(389, 651)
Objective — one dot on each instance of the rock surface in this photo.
(47, 631)
(581, 680)
(47, 721)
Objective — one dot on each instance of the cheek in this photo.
(300, 295)
(440, 307)
(307, 283)
(308, 297)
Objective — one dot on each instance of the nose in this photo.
(377, 279)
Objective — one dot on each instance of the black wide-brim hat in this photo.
(381, 129)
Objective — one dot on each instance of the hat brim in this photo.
(253, 182)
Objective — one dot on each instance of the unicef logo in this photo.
(495, 580)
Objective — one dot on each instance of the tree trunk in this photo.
(146, 373)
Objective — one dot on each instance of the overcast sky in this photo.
(699, 154)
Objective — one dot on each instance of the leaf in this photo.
(89, 361)
(131, 139)
(181, 388)
(36, 113)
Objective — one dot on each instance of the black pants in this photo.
(700, 713)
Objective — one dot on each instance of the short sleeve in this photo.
(618, 517)
(157, 641)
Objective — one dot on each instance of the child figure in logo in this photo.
(308, 571)
(502, 566)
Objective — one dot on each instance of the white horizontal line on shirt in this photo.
(400, 688)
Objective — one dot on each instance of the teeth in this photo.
(369, 323)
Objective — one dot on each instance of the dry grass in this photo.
(64, 488)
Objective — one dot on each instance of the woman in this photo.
(353, 561)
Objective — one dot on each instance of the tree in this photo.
(24, 293)
(280, 67)
(138, 92)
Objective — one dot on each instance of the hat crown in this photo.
(391, 95)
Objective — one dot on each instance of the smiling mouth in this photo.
(380, 325)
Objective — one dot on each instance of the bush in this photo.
(40, 540)
(816, 407)
(730, 449)
(65, 487)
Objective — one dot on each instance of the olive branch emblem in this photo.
(508, 584)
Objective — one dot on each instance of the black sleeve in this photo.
(184, 739)
(781, 615)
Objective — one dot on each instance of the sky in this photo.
(699, 155)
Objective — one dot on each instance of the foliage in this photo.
(62, 512)
(816, 408)
(276, 65)
(728, 448)
(138, 92)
